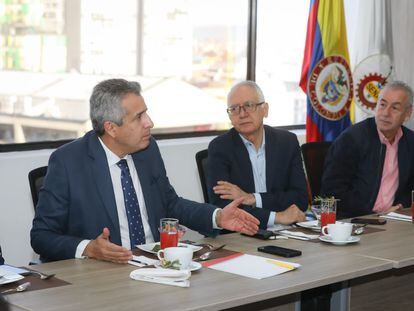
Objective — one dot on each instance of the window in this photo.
(281, 35)
(185, 53)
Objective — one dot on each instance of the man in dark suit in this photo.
(370, 166)
(254, 162)
(107, 191)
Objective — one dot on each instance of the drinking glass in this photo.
(316, 211)
(328, 211)
(169, 232)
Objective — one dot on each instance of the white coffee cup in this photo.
(339, 231)
(184, 255)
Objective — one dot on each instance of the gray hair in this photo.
(399, 85)
(250, 84)
(106, 99)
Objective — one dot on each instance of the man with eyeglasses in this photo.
(256, 162)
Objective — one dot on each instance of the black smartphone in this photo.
(369, 221)
(280, 251)
(262, 234)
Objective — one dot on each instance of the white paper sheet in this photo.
(278, 227)
(255, 267)
(7, 269)
(141, 261)
(397, 216)
(9, 274)
(299, 235)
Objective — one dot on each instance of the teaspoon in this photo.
(203, 257)
(359, 230)
(43, 276)
(20, 288)
(207, 255)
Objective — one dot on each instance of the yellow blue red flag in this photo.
(326, 75)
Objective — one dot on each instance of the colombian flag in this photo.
(326, 76)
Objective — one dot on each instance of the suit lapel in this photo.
(103, 181)
(270, 143)
(403, 159)
(242, 157)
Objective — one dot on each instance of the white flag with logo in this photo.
(372, 56)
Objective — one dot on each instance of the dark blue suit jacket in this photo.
(228, 160)
(353, 169)
(77, 199)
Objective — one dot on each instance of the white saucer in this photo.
(352, 239)
(194, 266)
(149, 247)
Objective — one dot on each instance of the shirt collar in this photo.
(112, 158)
(249, 143)
(385, 140)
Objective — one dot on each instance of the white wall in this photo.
(16, 207)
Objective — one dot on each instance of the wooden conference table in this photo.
(99, 285)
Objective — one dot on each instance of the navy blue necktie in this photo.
(136, 230)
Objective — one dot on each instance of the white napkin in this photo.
(162, 276)
(298, 235)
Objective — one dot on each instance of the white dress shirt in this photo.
(115, 172)
(258, 161)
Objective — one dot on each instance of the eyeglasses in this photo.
(247, 107)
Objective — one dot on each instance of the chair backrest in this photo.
(314, 157)
(201, 159)
(36, 177)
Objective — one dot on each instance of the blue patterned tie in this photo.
(136, 230)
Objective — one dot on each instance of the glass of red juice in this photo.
(169, 232)
(328, 211)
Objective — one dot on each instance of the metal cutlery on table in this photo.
(208, 254)
(211, 247)
(216, 248)
(42, 276)
(203, 257)
(359, 229)
(20, 288)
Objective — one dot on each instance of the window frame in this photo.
(250, 75)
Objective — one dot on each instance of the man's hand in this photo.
(393, 209)
(102, 249)
(290, 215)
(235, 219)
(228, 191)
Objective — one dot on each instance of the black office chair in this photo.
(314, 157)
(36, 177)
(201, 159)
